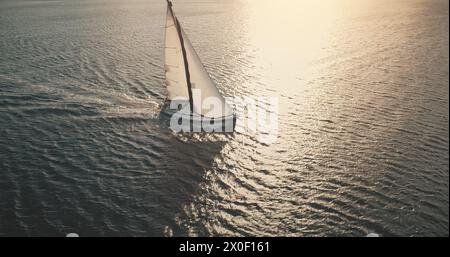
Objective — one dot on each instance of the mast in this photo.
(183, 49)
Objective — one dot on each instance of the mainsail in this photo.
(186, 75)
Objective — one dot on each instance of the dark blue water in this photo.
(363, 120)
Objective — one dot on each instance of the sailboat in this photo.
(194, 104)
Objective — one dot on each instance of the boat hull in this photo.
(194, 123)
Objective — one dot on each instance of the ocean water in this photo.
(363, 121)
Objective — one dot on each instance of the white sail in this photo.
(180, 59)
(174, 64)
(200, 80)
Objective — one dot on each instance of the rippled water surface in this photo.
(363, 119)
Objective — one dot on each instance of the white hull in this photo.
(187, 123)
